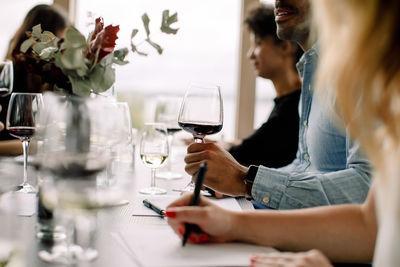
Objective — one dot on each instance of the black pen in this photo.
(201, 174)
(150, 205)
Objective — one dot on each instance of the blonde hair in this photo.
(360, 63)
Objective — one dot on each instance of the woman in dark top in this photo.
(51, 19)
(274, 144)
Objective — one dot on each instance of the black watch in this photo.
(249, 180)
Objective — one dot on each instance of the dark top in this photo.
(274, 144)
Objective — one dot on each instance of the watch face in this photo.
(251, 174)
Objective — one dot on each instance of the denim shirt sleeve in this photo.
(285, 189)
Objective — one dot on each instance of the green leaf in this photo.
(48, 53)
(74, 39)
(146, 21)
(80, 87)
(36, 31)
(134, 32)
(119, 56)
(156, 46)
(102, 78)
(47, 36)
(26, 45)
(135, 50)
(167, 20)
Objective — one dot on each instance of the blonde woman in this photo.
(360, 65)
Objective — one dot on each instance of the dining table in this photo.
(109, 220)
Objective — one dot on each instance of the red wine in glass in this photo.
(201, 129)
(22, 132)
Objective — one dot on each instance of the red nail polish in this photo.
(204, 238)
(180, 231)
(193, 239)
(170, 214)
(254, 258)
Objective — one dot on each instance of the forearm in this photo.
(341, 232)
(10, 148)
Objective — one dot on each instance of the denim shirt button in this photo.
(306, 156)
(305, 123)
(266, 198)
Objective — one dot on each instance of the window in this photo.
(204, 50)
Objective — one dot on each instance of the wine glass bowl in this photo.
(21, 123)
(6, 77)
(167, 111)
(201, 111)
(153, 153)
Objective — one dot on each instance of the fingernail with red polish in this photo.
(192, 239)
(204, 238)
(254, 258)
(170, 214)
(180, 231)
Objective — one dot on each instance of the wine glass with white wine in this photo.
(154, 152)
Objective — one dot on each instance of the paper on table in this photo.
(159, 246)
(22, 204)
(163, 201)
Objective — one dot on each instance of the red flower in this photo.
(103, 39)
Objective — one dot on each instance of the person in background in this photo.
(51, 19)
(273, 59)
(329, 167)
(359, 73)
(1, 124)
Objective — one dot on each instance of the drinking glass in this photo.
(74, 152)
(201, 111)
(167, 110)
(6, 77)
(154, 152)
(20, 122)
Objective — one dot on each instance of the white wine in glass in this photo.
(154, 152)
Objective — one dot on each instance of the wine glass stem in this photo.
(169, 163)
(198, 140)
(25, 147)
(153, 177)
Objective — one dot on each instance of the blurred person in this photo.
(364, 83)
(273, 59)
(51, 19)
(1, 124)
(329, 167)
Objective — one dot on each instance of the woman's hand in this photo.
(312, 258)
(216, 224)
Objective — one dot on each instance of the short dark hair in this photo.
(261, 21)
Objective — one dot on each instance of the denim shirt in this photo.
(329, 168)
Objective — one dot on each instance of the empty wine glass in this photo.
(201, 111)
(20, 122)
(6, 77)
(154, 152)
(167, 110)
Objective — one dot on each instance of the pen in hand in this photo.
(201, 174)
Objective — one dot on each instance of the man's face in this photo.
(292, 19)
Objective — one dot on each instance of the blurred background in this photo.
(208, 48)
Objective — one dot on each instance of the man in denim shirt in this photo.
(328, 169)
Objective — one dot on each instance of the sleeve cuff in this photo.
(269, 186)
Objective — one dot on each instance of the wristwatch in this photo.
(249, 180)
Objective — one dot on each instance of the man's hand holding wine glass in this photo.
(224, 174)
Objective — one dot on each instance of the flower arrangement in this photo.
(80, 65)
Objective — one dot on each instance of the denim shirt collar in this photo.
(310, 56)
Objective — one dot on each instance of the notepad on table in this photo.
(160, 246)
